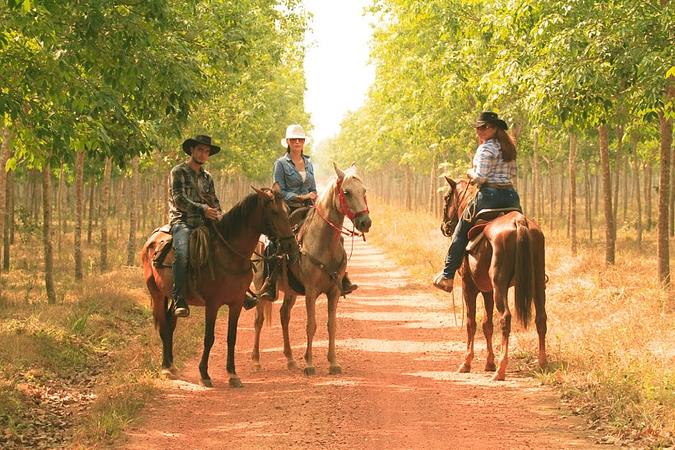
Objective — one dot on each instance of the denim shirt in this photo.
(190, 194)
(289, 179)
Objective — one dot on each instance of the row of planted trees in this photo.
(97, 95)
(587, 86)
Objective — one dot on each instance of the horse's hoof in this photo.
(292, 365)
(236, 383)
(499, 377)
(490, 367)
(310, 371)
(257, 367)
(206, 382)
(169, 374)
(335, 370)
(464, 368)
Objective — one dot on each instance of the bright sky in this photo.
(336, 63)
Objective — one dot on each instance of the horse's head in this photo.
(275, 220)
(350, 198)
(452, 209)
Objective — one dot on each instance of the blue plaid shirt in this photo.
(190, 194)
(488, 164)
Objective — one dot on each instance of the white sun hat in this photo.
(294, 131)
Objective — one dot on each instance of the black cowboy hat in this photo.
(200, 139)
(490, 117)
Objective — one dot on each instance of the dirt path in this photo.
(399, 349)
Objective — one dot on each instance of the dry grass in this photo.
(611, 340)
(77, 372)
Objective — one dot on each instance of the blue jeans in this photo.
(181, 240)
(487, 198)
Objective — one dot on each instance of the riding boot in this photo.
(347, 286)
(250, 301)
(269, 289)
(180, 307)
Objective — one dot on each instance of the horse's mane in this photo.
(236, 219)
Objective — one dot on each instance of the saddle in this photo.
(481, 220)
(298, 217)
(163, 247)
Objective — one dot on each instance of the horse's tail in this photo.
(149, 278)
(524, 276)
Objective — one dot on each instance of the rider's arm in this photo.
(179, 194)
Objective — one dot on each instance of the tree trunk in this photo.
(610, 247)
(662, 251)
(639, 201)
(648, 194)
(90, 218)
(588, 193)
(617, 174)
(47, 232)
(59, 213)
(79, 204)
(133, 203)
(408, 188)
(8, 229)
(4, 156)
(573, 192)
(535, 174)
(105, 206)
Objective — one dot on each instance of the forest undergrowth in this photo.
(610, 340)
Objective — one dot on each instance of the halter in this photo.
(344, 206)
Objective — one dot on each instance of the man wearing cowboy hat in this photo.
(192, 201)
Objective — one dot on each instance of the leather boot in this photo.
(347, 286)
(443, 283)
(269, 289)
(250, 300)
(180, 307)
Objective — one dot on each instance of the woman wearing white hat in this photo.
(294, 176)
(294, 172)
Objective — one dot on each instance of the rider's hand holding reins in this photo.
(212, 213)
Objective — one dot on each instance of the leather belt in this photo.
(498, 185)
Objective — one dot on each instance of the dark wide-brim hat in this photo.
(491, 118)
(200, 139)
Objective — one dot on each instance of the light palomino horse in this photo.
(232, 242)
(321, 265)
(511, 254)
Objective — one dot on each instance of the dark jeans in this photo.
(487, 198)
(181, 239)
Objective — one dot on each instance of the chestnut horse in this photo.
(510, 254)
(320, 266)
(231, 245)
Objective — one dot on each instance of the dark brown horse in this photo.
(229, 275)
(510, 254)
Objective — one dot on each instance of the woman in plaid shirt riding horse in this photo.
(494, 168)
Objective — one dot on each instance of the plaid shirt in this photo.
(190, 194)
(488, 164)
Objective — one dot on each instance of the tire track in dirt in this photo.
(399, 349)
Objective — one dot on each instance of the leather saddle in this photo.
(163, 247)
(481, 220)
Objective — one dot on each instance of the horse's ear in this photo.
(340, 174)
(260, 192)
(450, 181)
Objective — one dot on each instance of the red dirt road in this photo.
(399, 349)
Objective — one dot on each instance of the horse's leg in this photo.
(232, 322)
(166, 329)
(259, 321)
(540, 300)
(469, 292)
(211, 312)
(501, 301)
(334, 367)
(488, 328)
(285, 314)
(310, 302)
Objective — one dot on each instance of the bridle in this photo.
(346, 211)
(449, 224)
